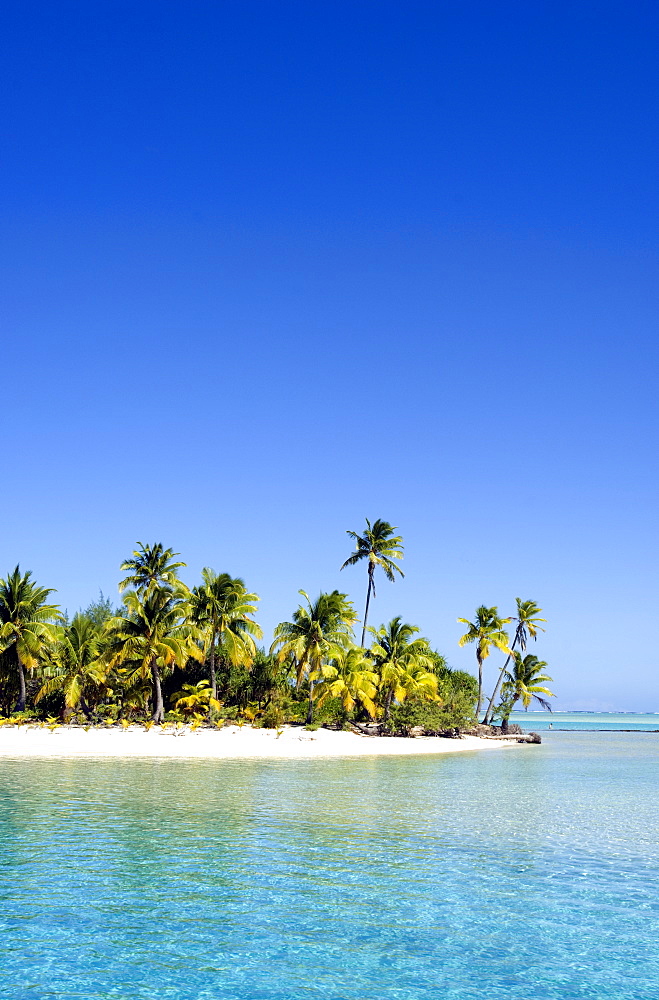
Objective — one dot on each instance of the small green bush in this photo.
(272, 717)
(21, 718)
(433, 717)
(107, 713)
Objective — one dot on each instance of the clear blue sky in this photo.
(269, 268)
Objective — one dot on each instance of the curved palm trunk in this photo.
(480, 683)
(310, 709)
(158, 707)
(488, 715)
(387, 704)
(371, 587)
(509, 711)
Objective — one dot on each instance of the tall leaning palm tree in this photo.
(222, 607)
(26, 625)
(528, 620)
(486, 630)
(317, 634)
(525, 683)
(151, 566)
(154, 635)
(405, 665)
(380, 547)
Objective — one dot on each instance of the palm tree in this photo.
(195, 700)
(26, 625)
(74, 665)
(349, 676)
(380, 547)
(316, 634)
(405, 666)
(153, 636)
(151, 566)
(222, 606)
(526, 682)
(527, 625)
(486, 630)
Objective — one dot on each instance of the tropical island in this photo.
(179, 660)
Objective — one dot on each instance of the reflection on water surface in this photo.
(532, 873)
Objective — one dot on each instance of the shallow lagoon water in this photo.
(530, 871)
(573, 721)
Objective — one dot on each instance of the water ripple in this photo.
(533, 874)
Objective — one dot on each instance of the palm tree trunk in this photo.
(509, 711)
(212, 665)
(310, 709)
(488, 714)
(387, 704)
(368, 599)
(480, 685)
(20, 704)
(158, 707)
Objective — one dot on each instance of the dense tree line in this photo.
(170, 652)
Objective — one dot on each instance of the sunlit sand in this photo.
(229, 742)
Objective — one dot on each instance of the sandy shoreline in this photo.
(229, 742)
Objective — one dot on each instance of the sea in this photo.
(526, 872)
(541, 722)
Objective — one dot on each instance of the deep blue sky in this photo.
(271, 268)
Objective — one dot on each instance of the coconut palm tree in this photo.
(74, 666)
(527, 625)
(195, 700)
(316, 634)
(221, 606)
(486, 630)
(525, 683)
(405, 666)
(151, 566)
(27, 625)
(350, 676)
(380, 547)
(154, 635)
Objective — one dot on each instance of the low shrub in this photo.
(433, 717)
(272, 717)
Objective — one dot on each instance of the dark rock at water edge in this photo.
(486, 732)
(481, 730)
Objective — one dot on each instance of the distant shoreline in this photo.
(555, 729)
(230, 742)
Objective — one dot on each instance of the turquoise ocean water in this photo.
(526, 872)
(574, 721)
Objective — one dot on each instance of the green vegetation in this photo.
(72, 666)
(486, 630)
(154, 635)
(221, 606)
(404, 664)
(379, 546)
(170, 653)
(316, 634)
(527, 619)
(525, 683)
(28, 627)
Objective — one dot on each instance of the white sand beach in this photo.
(230, 742)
